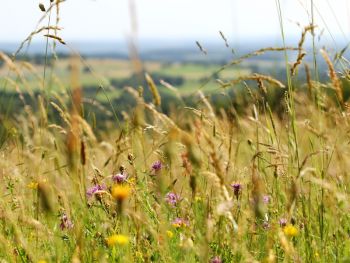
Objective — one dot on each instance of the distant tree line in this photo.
(37, 59)
(136, 80)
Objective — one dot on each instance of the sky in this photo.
(174, 20)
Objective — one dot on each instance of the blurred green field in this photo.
(97, 72)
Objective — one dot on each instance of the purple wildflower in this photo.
(180, 222)
(237, 188)
(266, 199)
(66, 223)
(216, 259)
(157, 166)
(266, 225)
(119, 178)
(283, 222)
(94, 189)
(172, 198)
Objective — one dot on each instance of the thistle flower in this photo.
(172, 198)
(215, 259)
(119, 177)
(117, 239)
(180, 222)
(157, 166)
(237, 188)
(66, 223)
(266, 199)
(94, 189)
(283, 222)
(266, 225)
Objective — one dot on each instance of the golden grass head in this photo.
(42, 7)
(336, 83)
(153, 88)
(59, 39)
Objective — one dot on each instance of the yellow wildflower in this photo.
(198, 199)
(42, 261)
(117, 239)
(120, 192)
(180, 222)
(33, 185)
(169, 233)
(290, 230)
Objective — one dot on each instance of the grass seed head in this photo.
(153, 88)
(42, 7)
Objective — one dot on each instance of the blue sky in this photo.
(176, 19)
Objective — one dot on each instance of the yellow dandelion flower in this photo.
(290, 230)
(176, 225)
(169, 233)
(120, 192)
(33, 185)
(42, 261)
(117, 240)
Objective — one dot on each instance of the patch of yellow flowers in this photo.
(121, 240)
(290, 230)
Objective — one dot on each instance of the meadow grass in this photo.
(200, 184)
